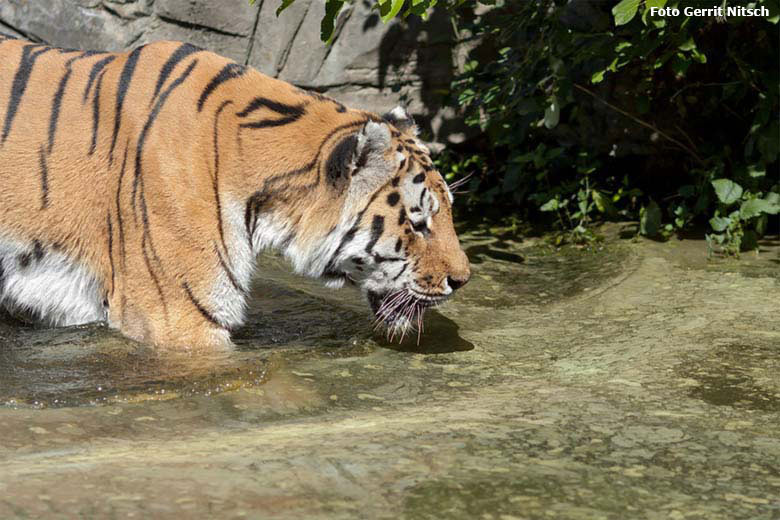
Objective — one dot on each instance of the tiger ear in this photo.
(402, 120)
(371, 165)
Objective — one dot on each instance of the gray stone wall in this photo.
(370, 65)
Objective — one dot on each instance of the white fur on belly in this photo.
(54, 288)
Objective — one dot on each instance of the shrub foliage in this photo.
(586, 110)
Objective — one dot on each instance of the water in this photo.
(572, 384)
(289, 318)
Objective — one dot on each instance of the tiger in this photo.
(138, 188)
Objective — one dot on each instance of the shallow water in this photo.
(289, 317)
(633, 379)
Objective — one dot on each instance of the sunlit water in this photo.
(569, 382)
(288, 317)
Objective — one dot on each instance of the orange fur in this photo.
(182, 166)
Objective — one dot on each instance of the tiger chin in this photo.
(138, 189)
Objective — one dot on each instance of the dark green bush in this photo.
(592, 112)
(584, 110)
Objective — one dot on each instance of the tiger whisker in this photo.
(419, 325)
(391, 308)
(460, 182)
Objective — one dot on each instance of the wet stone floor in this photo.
(635, 380)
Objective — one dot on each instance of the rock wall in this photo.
(370, 65)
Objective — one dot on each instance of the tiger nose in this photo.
(458, 282)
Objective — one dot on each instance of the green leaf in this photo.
(688, 45)
(718, 238)
(602, 202)
(597, 77)
(625, 11)
(552, 114)
(756, 170)
(761, 224)
(389, 9)
(650, 220)
(550, 205)
(654, 3)
(648, 5)
(332, 9)
(284, 5)
(728, 191)
(720, 223)
(755, 207)
(774, 11)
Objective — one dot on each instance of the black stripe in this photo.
(339, 160)
(270, 123)
(377, 228)
(150, 121)
(38, 251)
(253, 205)
(86, 54)
(381, 259)
(349, 235)
(24, 260)
(55, 106)
(93, 74)
(124, 84)
(56, 103)
(182, 52)
(19, 85)
(215, 134)
(121, 233)
(44, 178)
(228, 272)
(2, 277)
(110, 247)
(138, 184)
(289, 238)
(346, 239)
(206, 314)
(230, 71)
(96, 114)
(279, 108)
(154, 276)
(403, 269)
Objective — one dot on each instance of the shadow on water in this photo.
(440, 336)
(726, 377)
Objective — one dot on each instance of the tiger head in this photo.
(401, 247)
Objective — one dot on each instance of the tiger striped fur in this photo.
(138, 188)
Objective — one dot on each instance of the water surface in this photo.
(631, 379)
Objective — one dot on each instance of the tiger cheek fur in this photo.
(138, 188)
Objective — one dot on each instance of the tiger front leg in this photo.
(170, 326)
(169, 309)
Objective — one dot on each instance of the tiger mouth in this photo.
(401, 307)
